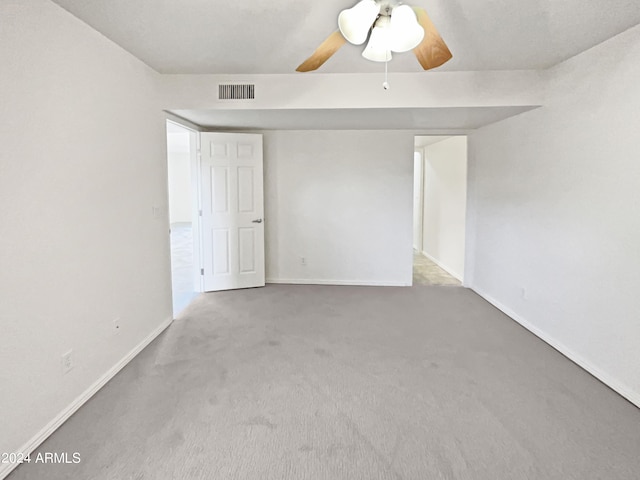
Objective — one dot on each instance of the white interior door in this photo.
(232, 207)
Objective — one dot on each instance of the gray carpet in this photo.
(314, 382)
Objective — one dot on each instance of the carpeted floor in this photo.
(320, 382)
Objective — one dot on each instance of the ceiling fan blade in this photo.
(432, 51)
(327, 48)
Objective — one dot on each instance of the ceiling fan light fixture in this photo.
(404, 30)
(377, 49)
(398, 28)
(355, 22)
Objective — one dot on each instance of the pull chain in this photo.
(385, 85)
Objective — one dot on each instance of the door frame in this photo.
(464, 275)
(196, 209)
(194, 161)
(419, 151)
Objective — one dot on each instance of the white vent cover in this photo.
(236, 92)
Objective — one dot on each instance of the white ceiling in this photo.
(426, 140)
(449, 119)
(266, 36)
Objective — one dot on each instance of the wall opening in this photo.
(182, 215)
(439, 209)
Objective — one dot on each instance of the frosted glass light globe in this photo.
(355, 22)
(405, 31)
(378, 47)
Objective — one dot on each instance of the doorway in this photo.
(181, 153)
(439, 210)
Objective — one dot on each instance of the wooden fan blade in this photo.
(327, 48)
(432, 51)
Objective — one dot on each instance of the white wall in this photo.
(418, 200)
(438, 89)
(342, 200)
(82, 163)
(179, 165)
(445, 203)
(554, 222)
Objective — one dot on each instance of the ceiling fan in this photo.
(390, 27)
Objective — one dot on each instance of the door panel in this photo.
(246, 189)
(221, 254)
(220, 194)
(247, 250)
(232, 211)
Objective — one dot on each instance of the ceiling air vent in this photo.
(236, 92)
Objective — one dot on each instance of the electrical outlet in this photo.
(303, 261)
(523, 293)
(67, 362)
(157, 212)
(116, 326)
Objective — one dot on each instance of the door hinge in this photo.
(200, 211)
(202, 271)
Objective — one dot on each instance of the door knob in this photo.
(259, 220)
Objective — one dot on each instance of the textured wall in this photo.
(343, 201)
(83, 163)
(554, 223)
(445, 203)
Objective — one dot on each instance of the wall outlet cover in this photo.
(67, 362)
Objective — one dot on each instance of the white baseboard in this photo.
(358, 283)
(53, 425)
(614, 384)
(442, 266)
